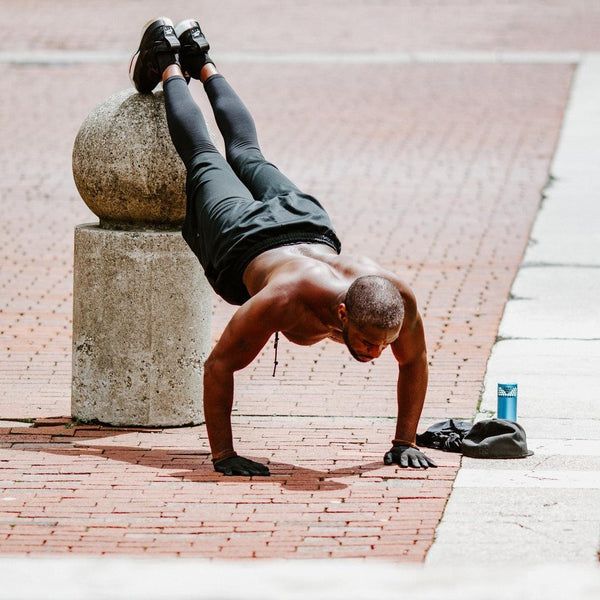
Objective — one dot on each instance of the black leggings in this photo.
(260, 179)
(242, 206)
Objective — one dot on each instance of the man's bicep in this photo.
(244, 336)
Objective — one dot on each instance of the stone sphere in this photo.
(125, 165)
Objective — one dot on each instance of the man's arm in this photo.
(413, 373)
(411, 353)
(245, 335)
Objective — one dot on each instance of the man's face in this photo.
(367, 343)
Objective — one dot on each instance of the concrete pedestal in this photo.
(141, 328)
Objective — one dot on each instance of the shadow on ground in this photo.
(69, 439)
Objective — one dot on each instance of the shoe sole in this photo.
(188, 25)
(185, 25)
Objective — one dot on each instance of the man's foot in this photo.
(158, 49)
(194, 47)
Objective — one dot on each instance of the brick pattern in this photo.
(452, 194)
(98, 490)
(335, 25)
(434, 170)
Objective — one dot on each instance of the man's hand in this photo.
(238, 465)
(407, 456)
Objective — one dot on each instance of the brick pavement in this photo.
(344, 25)
(94, 490)
(452, 158)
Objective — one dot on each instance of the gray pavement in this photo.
(186, 579)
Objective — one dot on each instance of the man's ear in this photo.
(342, 313)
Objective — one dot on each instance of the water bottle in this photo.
(507, 401)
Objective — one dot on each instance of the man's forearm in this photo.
(218, 402)
(411, 390)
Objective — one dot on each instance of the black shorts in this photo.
(226, 227)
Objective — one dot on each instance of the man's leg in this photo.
(184, 118)
(157, 59)
(237, 127)
(216, 199)
(234, 120)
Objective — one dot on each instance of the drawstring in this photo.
(275, 363)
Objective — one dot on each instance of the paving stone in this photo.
(565, 231)
(99, 579)
(556, 428)
(551, 303)
(532, 525)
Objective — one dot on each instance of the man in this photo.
(270, 248)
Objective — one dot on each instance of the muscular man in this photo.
(271, 249)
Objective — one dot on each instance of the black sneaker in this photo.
(194, 47)
(158, 49)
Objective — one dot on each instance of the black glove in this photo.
(407, 456)
(238, 465)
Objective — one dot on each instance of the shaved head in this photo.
(374, 301)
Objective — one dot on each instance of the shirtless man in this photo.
(271, 249)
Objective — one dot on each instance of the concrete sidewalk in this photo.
(187, 579)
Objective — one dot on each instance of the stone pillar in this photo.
(141, 304)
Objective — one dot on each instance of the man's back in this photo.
(306, 283)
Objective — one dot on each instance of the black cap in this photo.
(496, 438)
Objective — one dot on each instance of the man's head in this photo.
(371, 313)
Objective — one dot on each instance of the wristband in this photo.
(397, 442)
(223, 456)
